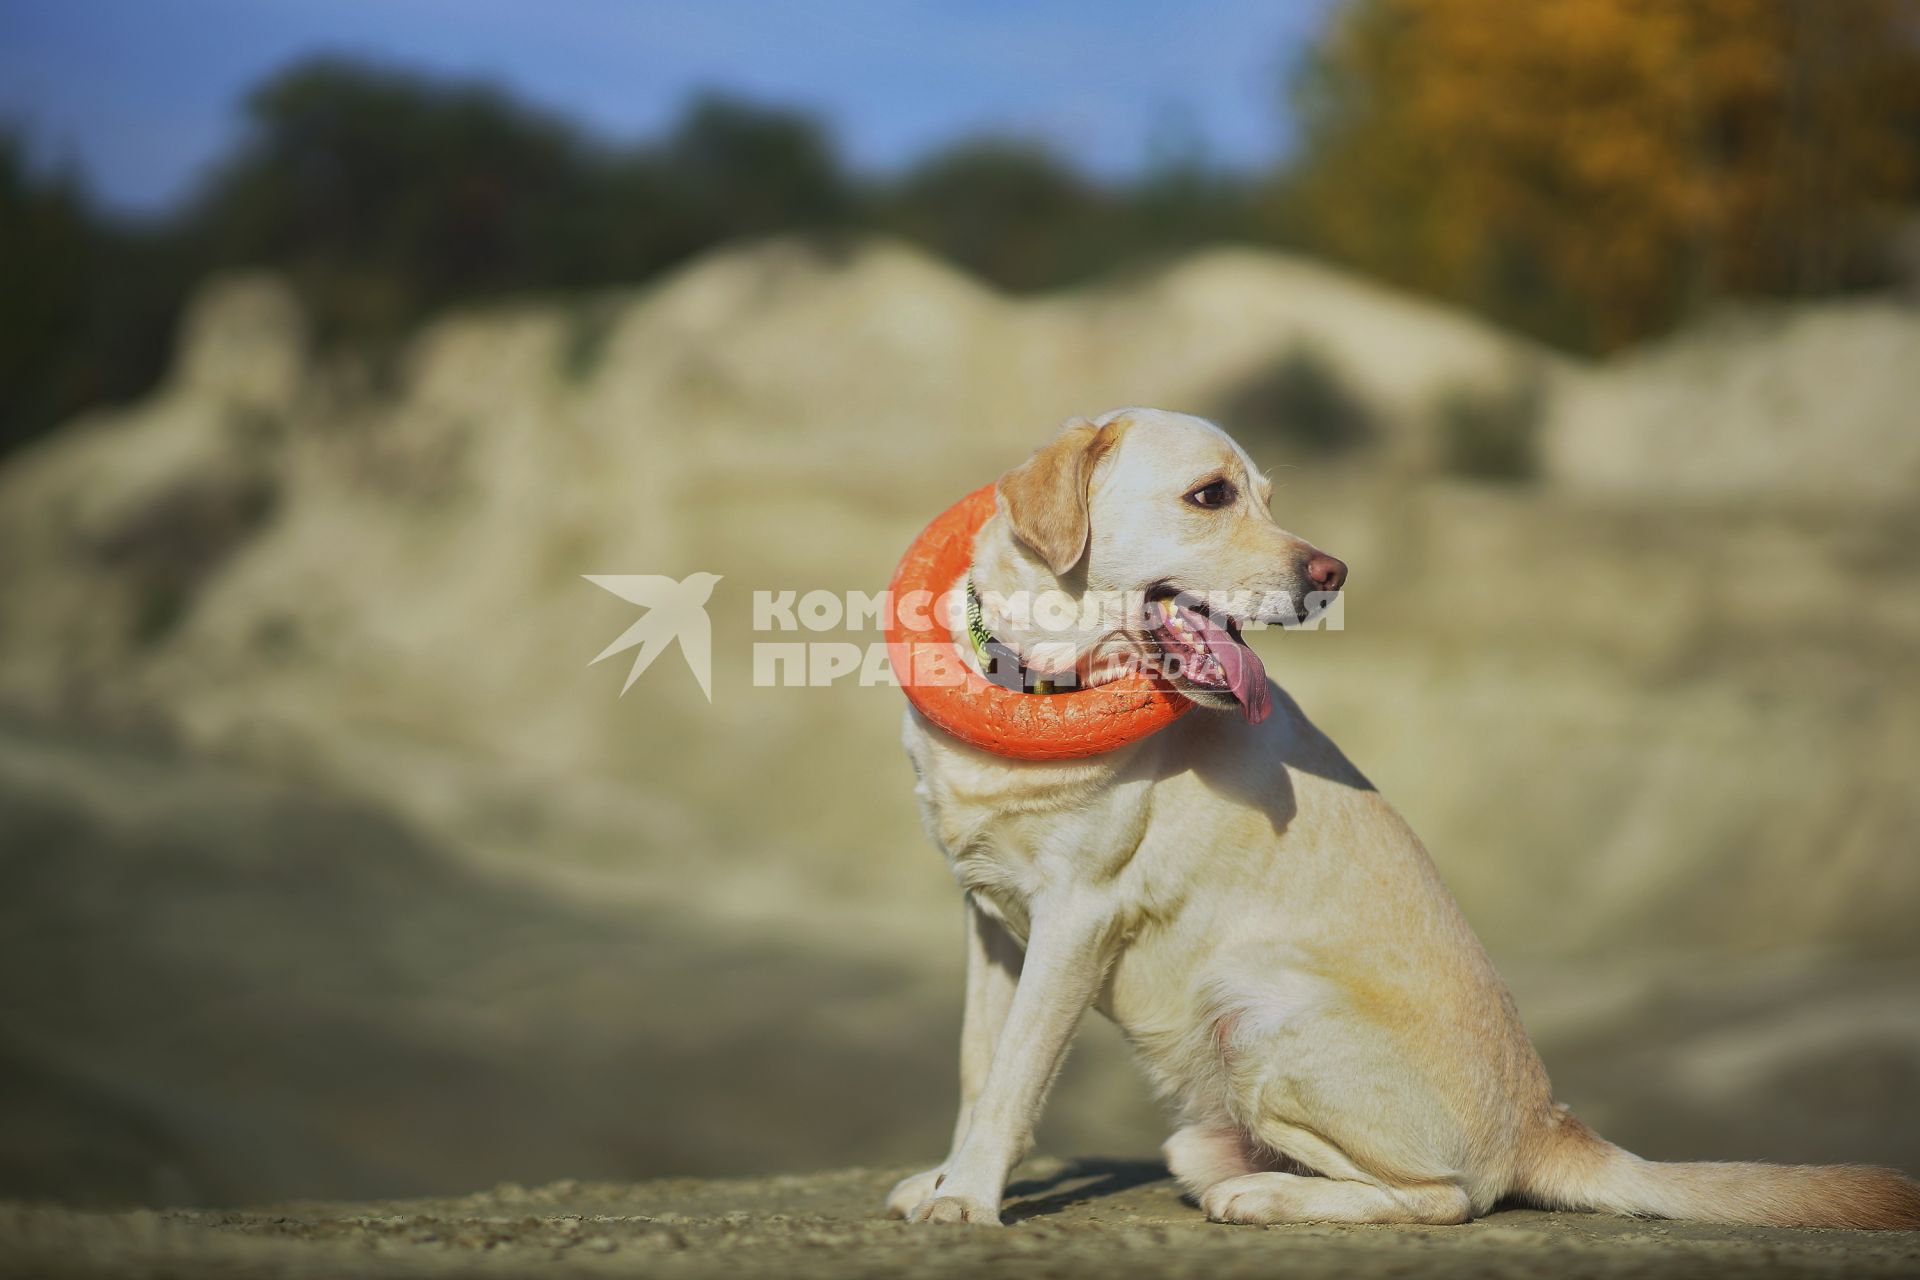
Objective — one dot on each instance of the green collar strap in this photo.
(997, 662)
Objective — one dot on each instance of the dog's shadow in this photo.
(1078, 1182)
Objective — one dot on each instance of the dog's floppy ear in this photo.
(1045, 497)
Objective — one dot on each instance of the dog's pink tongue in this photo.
(1246, 677)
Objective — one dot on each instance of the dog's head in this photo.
(1166, 512)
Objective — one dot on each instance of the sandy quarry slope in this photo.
(379, 583)
(1088, 1218)
(1794, 405)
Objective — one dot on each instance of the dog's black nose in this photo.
(1326, 573)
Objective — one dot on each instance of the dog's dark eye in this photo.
(1215, 494)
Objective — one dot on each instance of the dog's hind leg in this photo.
(1292, 1197)
(1339, 1127)
(1202, 1155)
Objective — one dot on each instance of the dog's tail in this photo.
(1571, 1167)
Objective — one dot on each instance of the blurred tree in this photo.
(1303, 404)
(1181, 199)
(86, 308)
(383, 196)
(50, 247)
(1009, 210)
(750, 170)
(1588, 170)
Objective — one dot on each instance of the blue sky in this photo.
(141, 94)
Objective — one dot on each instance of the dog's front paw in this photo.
(911, 1190)
(950, 1208)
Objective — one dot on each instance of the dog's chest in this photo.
(1014, 830)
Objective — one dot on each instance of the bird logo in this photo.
(674, 611)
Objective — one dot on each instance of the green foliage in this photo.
(86, 308)
(1010, 211)
(589, 327)
(746, 170)
(385, 197)
(1492, 435)
(1302, 403)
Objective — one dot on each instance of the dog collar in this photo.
(976, 623)
(998, 662)
(960, 701)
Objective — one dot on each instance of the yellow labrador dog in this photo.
(1261, 924)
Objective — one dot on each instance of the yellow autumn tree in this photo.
(1589, 170)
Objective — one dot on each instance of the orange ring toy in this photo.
(1025, 726)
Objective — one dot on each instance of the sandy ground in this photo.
(1064, 1218)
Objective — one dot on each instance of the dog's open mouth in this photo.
(1208, 653)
